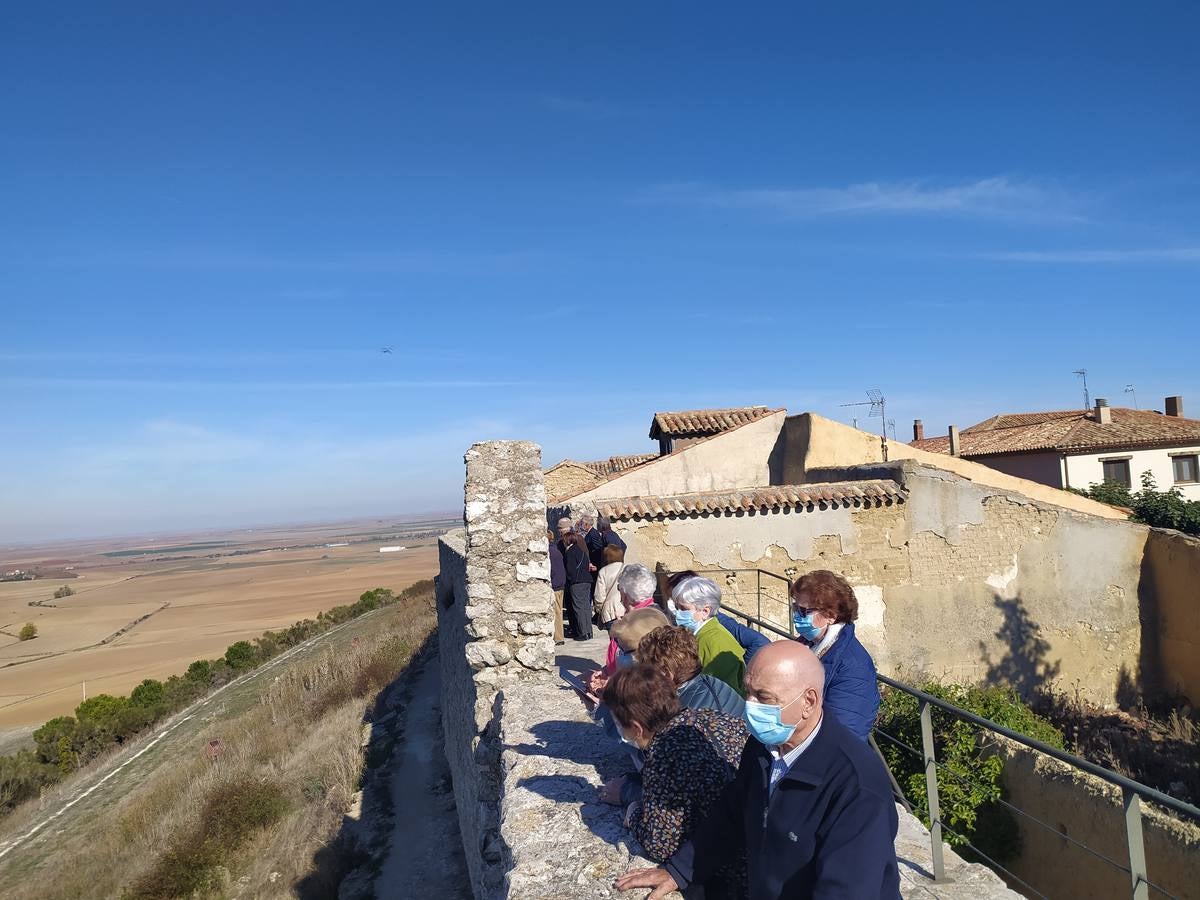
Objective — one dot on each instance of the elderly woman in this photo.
(673, 650)
(690, 755)
(607, 600)
(749, 639)
(578, 598)
(695, 603)
(823, 612)
(636, 586)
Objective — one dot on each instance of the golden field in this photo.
(197, 607)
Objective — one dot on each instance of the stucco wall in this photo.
(1088, 810)
(567, 479)
(734, 459)
(1171, 638)
(962, 580)
(1084, 470)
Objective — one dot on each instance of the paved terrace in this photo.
(564, 843)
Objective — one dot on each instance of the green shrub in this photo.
(969, 776)
(65, 591)
(1162, 509)
(231, 814)
(28, 632)
(200, 670)
(241, 656)
(148, 694)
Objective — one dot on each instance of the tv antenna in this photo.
(878, 404)
(1129, 390)
(1087, 398)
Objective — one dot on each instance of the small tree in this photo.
(65, 591)
(28, 632)
(241, 655)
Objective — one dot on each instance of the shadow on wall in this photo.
(404, 757)
(1151, 679)
(1023, 666)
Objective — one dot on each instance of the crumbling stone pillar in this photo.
(510, 604)
(495, 630)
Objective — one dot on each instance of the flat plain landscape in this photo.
(146, 608)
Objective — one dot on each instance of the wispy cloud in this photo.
(1098, 257)
(997, 198)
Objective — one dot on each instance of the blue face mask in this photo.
(765, 722)
(625, 658)
(686, 618)
(804, 626)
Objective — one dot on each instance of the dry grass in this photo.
(191, 826)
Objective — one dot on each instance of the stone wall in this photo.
(1086, 809)
(963, 580)
(495, 629)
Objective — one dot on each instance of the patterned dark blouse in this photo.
(687, 765)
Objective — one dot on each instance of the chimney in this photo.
(918, 430)
(1174, 406)
(1103, 413)
(954, 448)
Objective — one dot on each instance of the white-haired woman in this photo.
(695, 602)
(636, 586)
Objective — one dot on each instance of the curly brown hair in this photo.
(828, 592)
(642, 694)
(672, 649)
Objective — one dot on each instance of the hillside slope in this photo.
(168, 815)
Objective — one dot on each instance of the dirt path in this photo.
(424, 857)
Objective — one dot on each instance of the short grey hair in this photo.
(585, 521)
(564, 524)
(698, 592)
(636, 582)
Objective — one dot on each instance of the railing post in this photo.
(1137, 848)
(758, 591)
(931, 792)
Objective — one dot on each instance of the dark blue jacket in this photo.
(595, 545)
(829, 831)
(558, 571)
(611, 537)
(851, 692)
(750, 639)
(575, 561)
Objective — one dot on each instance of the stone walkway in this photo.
(564, 843)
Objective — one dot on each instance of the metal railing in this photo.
(1132, 792)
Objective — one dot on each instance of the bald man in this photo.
(811, 806)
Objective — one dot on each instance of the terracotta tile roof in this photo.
(807, 497)
(615, 464)
(1069, 432)
(703, 422)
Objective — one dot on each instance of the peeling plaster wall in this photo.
(1171, 610)
(961, 581)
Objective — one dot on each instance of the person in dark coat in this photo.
(592, 540)
(558, 583)
(607, 535)
(811, 807)
(823, 612)
(578, 597)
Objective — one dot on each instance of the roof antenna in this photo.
(1129, 390)
(878, 404)
(1087, 398)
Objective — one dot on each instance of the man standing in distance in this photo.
(811, 806)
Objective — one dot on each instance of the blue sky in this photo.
(213, 216)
